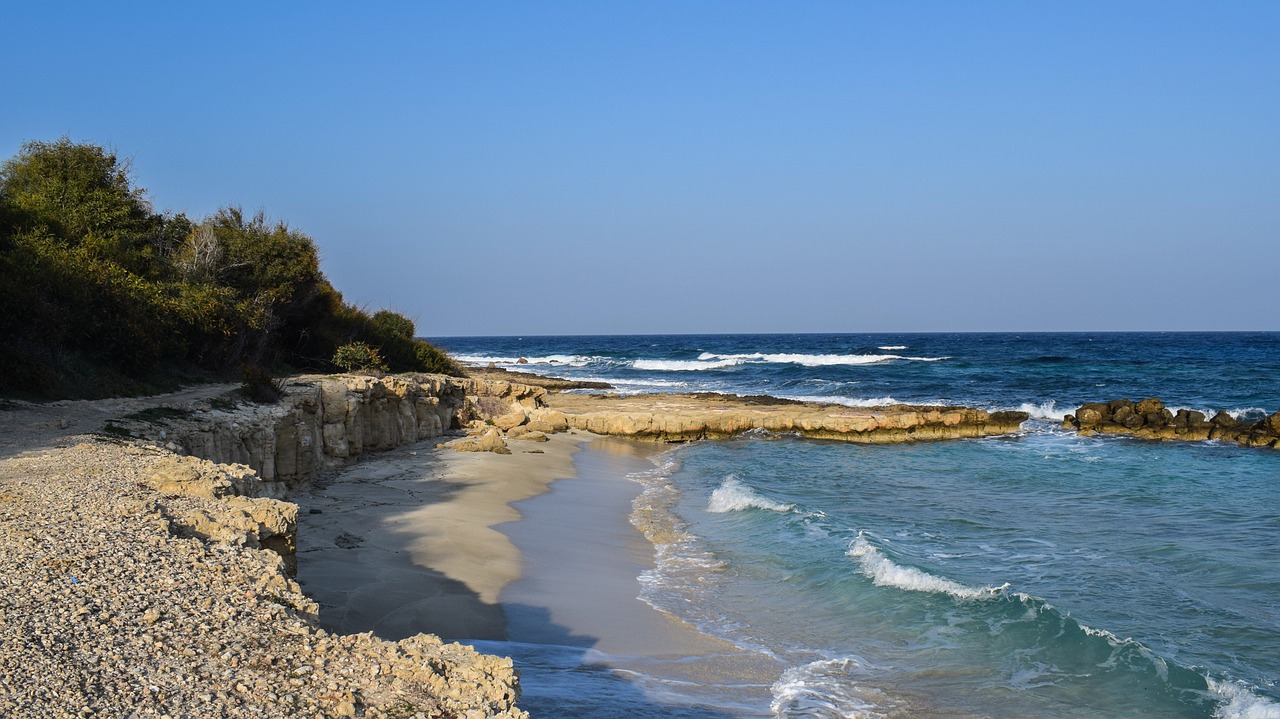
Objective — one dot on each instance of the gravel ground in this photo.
(106, 611)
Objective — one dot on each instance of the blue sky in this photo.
(651, 167)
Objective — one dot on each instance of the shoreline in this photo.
(579, 612)
(407, 541)
(528, 555)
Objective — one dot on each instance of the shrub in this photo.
(433, 359)
(260, 386)
(359, 357)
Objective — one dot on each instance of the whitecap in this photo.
(1237, 702)
(826, 689)
(683, 365)
(1044, 410)
(885, 573)
(816, 360)
(561, 360)
(890, 348)
(1242, 414)
(846, 401)
(732, 496)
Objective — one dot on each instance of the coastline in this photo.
(406, 542)
(530, 555)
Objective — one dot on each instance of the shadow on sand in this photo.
(355, 557)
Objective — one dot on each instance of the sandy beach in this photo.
(405, 542)
(530, 555)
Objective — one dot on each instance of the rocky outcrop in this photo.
(241, 517)
(1150, 419)
(687, 417)
(325, 422)
(490, 441)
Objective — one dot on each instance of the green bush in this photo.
(103, 296)
(260, 386)
(359, 357)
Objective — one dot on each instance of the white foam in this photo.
(846, 401)
(732, 496)
(561, 360)
(885, 573)
(684, 365)
(1044, 410)
(639, 382)
(1244, 414)
(1237, 702)
(815, 360)
(825, 690)
(890, 348)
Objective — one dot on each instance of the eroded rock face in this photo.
(244, 515)
(1150, 419)
(321, 423)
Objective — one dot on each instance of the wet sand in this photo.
(531, 555)
(404, 542)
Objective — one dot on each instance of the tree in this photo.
(82, 196)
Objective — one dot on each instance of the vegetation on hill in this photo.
(102, 296)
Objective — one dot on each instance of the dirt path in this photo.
(26, 426)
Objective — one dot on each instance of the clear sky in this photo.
(647, 167)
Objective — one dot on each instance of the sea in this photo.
(1041, 574)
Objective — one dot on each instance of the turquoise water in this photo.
(1040, 575)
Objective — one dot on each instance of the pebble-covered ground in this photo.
(106, 611)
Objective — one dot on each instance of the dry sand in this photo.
(533, 548)
(404, 542)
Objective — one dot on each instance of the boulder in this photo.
(1147, 406)
(526, 434)
(1222, 419)
(510, 421)
(1116, 404)
(491, 441)
(1092, 413)
(1271, 424)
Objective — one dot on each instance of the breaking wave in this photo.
(1237, 702)
(885, 573)
(826, 689)
(732, 496)
(815, 360)
(561, 360)
(846, 401)
(684, 365)
(1044, 410)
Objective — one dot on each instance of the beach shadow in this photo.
(356, 554)
(356, 558)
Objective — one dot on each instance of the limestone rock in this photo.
(491, 441)
(527, 434)
(510, 421)
(681, 418)
(195, 477)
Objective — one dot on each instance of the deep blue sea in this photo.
(1037, 575)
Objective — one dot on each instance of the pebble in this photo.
(105, 612)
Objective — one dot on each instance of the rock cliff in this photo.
(1150, 419)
